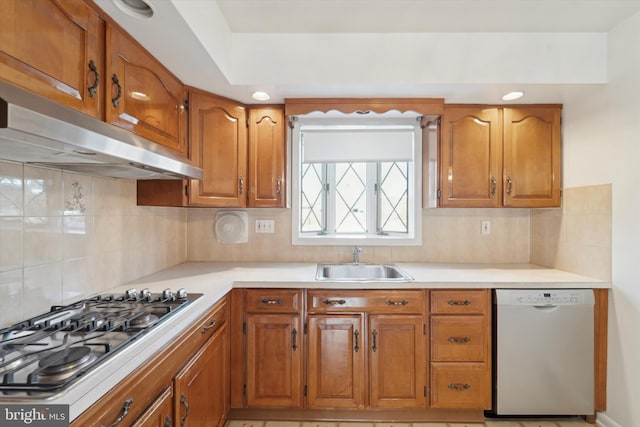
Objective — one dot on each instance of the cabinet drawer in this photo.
(460, 301)
(460, 385)
(212, 321)
(273, 300)
(374, 301)
(459, 338)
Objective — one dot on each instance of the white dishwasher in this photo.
(544, 352)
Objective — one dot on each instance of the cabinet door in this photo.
(471, 157)
(143, 96)
(266, 157)
(532, 157)
(51, 47)
(219, 145)
(202, 387)
(335, 367)
(397, 361)
(274, 361)
(160, 413)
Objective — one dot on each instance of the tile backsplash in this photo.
(64, 236)
(449, 235)
(576, 238)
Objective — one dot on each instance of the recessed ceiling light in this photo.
(261, 96)
(135, 8)
(511, 96)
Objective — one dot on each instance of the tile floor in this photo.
(236, 423)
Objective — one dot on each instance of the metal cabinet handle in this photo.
(294, 339)
(125, 411)
(494, 185)
(115, 101)
(183, 401)
(509, 185)
(334, 302)
(271, 301)
(92, 89)
(209, 326)
(374, 335)
(356, 336)
(167, 421)
(457, 302)
(241, 185)
(403, 302)
(459, 340)
(279, 185)
(459, 387)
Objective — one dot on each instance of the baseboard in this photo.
(605, 421)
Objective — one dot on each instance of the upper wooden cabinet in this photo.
(494, 156)
(219, 146)
(143, 96)
(266, 157)
(54, 48)
(241, 150)
(532, 157)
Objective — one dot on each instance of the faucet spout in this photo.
(356, 255)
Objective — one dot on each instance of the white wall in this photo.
(602, 145)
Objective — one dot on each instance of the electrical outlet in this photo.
(265, 226)
(485, 227)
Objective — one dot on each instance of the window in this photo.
(356, 181)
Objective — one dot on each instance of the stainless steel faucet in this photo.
(356, 255)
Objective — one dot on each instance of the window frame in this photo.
(414, 235)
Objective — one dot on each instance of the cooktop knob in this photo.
(131, 293)
(145, 294)
(181, 293)
(167, 294)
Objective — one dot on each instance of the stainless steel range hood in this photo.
(37, 131)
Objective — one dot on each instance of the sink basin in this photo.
(361, 273)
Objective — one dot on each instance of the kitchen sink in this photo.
(358, 272)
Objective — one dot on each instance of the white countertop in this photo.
(214, 280)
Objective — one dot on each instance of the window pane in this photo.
(311, 198)
(393, 198)
(351, 198)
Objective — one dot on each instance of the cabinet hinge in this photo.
(438, 193)
(305, 391)
(186, 104)
(244, 389)
(186, 190)
(244, 328)
(425, 391)
(424, 329)
(304, 329)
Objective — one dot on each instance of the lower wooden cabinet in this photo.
(460, 332)
(195, 365)
(201, 388)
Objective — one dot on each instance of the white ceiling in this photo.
(460, 50)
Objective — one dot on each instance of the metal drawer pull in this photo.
(459, 340)
(459, 387)
(211, 325)
(115, 101)
(403, 302)
(374, 347)
(183, 401)
(356, 336)
(494, 184)
(509, 185)
(241, 185)
(454, 302)
(92, 89)
(334, 302)
(279, 186)
(125, 411)
(294, 339)
(271, 301)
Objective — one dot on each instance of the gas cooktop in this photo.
(46, 354)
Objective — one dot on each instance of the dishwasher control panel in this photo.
(546, 297)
